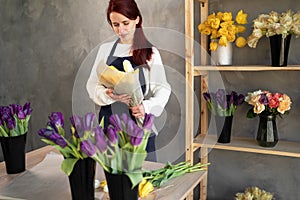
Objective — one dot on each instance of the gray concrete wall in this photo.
(47, 48)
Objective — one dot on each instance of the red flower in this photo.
(274, 100)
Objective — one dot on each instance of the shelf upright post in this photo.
(189, 74)
(204, 88)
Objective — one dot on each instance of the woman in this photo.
(126, 21)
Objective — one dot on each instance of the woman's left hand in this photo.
(138, 111)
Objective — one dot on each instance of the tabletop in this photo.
(43, 179)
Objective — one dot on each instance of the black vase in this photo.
(267, 135)
(119, 187)
(14, 153)
(82, 180)
(224, 125)
(279, 49)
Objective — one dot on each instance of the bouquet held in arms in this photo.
(123, 82)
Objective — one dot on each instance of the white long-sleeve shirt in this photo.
(157, 92)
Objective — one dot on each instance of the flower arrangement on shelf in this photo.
(54, 134)
(254, 193)
(267, 103)
(274, 24)
(222, 104)
(14, 119)
(223, 28)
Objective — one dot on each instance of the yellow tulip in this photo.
(214, 23)
(223, 41)
(227, 16)
(241, 18)
(220, 15)
(214, 33)
(241, 29)
(206, 31)
(213, 46)
(201, 27)
(230, 37)
(240, 42)
(145, 187)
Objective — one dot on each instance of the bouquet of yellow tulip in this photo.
(123, 83)
(222, 27)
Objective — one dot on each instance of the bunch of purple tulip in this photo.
(54, 134)
(14, 119)
(120, 148)
(222, 104)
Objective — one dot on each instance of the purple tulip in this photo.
(233, 98)
(100, 139)
(130, 126)
(148, 121)
(14, 109)
(53, 136)
(57, 118)
(206, 96)
(1, 122)
(5, 113)
(137, 136)
(88, 148)
(10, 123)
(21, 115)
(76, 122)
(116, 122)
(241, 99)
(263, 99)
(27, 109)
(88, 121)
(221, 98)
(112, 135)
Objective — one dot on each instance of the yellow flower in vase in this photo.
(223, 27)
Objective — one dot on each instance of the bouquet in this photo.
(222, 104)
(120, 149)
(54, 134)
(274, 24)
(253, 193)
(267, 103)
(123, 82)
(14, 119)
(222, 27)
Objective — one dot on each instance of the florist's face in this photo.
(123, 27)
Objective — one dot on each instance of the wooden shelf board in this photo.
(283, 148)
(201, 70)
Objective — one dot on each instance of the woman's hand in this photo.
(138, 111)
(124, 98)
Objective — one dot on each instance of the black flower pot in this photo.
(224, 125)
(279, 49)
(267, 135)
(82, 180)
(120, 187)
(14, 153)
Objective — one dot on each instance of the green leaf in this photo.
(3, 132)
(135, 177)
(251, 114)
(68, 164)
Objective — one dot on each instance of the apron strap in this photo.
(110, 58)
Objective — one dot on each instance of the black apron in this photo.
(119, 107)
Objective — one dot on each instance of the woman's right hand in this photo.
(124, 98)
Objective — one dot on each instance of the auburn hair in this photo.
(141, 47)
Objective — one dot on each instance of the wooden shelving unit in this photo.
(203, 140)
